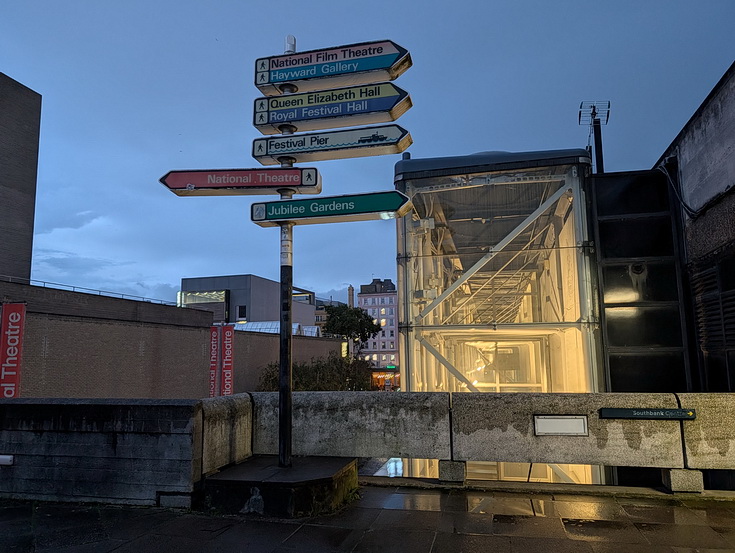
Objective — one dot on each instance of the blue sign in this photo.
(340, 66)
(357, 105)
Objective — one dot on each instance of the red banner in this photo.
(228, 348)
(12, 323)
(214, 359)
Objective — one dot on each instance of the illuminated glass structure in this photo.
(496, 281)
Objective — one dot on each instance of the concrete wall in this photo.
(158, 451)
(115, 451)
(500, 427)
(227, 431)
(146, 452)
(20, 120)
(706, 165)
(359, 424)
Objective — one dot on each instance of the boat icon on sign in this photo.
(375, 137)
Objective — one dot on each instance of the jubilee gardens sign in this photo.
(337, 87)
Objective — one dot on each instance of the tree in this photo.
(330, 374)
(351, 322)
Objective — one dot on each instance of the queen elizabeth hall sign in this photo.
(12, 323)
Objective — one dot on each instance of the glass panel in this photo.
(634, 282)
(644, 373)
(637, 238)
(643, 326)
(631, 194)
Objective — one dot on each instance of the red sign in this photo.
(230, 182)
(214, 359)
(228, 348)
(12, 323)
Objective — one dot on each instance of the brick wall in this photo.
(86, 346)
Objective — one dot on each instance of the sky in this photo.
(134, 89)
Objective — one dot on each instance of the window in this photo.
(375, 345)
(367, 358)
(382, 334)
(382, 301)
(382, 322)
(390, 299)
(242, 312)
(390, 322)
(392, 345)
(392, 357)
(382, 311)
(391, 334)
(375, 356)
(372, 301)
(390, 311)
(384, 358)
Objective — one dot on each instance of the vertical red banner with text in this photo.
(215, 357)
(12, 323)
(228, 348)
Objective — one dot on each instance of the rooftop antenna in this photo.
(595, 114)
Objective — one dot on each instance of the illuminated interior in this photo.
(496, 295)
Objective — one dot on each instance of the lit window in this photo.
(382, 322)
(382, 311)
(384, 357)
(392, 357)
(375, 356)
(392, 345)
(367, 358)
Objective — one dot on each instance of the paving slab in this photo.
(393, 518)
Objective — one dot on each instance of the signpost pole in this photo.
(285, 385)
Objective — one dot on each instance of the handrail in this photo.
(81, 289)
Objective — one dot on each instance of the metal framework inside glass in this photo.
(496, 292)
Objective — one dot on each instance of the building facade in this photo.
(245, 298)
(380, 300)
(20, 119)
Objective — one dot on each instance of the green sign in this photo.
(648, 413)
(332, 209)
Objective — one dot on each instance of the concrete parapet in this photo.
(682, 480)
(357, 424)
(500, 427)
(114, 451)
(709, 440)
(227, 431)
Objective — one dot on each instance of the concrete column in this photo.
(683, 480)
(453, 471)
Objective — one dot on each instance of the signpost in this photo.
(332, 209)
(353, 64)
(365, 141)
(296, 101)
(324, 109)
(234, 182)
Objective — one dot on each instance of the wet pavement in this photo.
(388, 519)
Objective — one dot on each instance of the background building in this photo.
(244, 298)
(20, 120)
(380, 300)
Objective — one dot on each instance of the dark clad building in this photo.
(20, 119)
